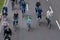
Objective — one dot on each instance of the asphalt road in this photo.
(39, 32)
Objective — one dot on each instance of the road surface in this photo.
(39, 32)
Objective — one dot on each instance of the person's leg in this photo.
(37, 16)
(17, 21)
(49, 23)
(40, 16)
(29, 27)
(13, 22)
(9, 38)
(24, 10)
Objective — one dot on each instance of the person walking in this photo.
(23, 8)
(49, 15)
(5, 10)
(7, 33)
(39, 12)
(15, 17)
(29, 21)
(13, 3)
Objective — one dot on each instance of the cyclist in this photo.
(15, 22)
(13, 3)
(4, 15)
(23, 7)
(39, 12)
(7, 33)
(5, 10)
(49, 14)
(29, 23)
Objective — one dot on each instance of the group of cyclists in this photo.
(6, 29)
(38, 9)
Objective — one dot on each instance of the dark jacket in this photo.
(8, 32)
(38, 10)
(15, 16)
(23, 5)
(4, 8)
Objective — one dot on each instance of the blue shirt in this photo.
(4, 8)
(23, 5)
(39, 10)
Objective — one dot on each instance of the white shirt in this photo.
(5, 23)
(27, 7)
(49, 13)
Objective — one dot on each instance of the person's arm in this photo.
(51, 12)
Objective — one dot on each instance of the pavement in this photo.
(38, 32)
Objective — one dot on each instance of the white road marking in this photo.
(27, 7)
(58, 24)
